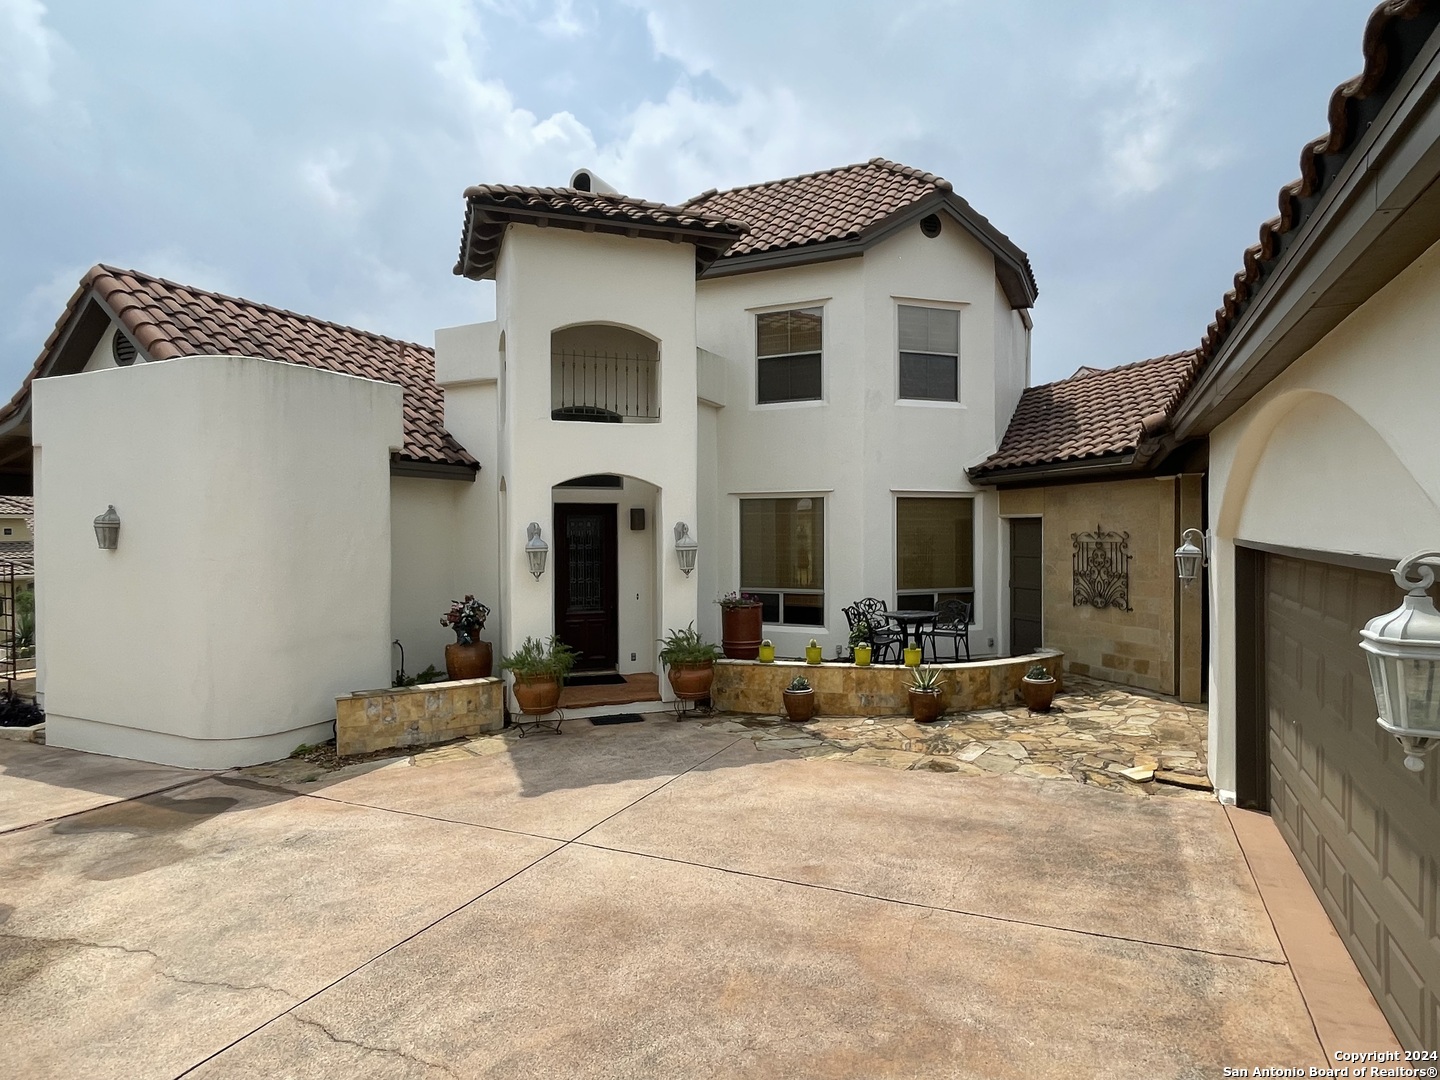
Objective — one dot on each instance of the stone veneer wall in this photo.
(416, 715)
(1157, 644)
(879, 690)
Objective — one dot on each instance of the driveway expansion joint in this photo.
(113, 802)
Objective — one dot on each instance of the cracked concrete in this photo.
(652, 899)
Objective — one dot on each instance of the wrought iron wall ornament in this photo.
(1101, 564)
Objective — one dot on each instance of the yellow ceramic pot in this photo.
(767, 653)
(862, 655)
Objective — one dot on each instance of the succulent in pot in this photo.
(690, 662)
(860, 647)
(926, 700)
(539, 668)
(767, 651)
(814, 654)
(1038, 688)
(799, 699)
(468, 657)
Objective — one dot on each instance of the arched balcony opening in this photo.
(604, 374)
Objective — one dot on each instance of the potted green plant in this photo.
(912, 655)
(813, 652)
(690, 663)
(926, 700)
(539, 668)
(860, 649)
(468, 657)
(767, 651)
(1038, 688)
(740, 621)
(799, 700)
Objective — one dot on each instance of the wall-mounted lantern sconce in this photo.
(107, 529)
(685, 547)
(1190, 556)
(1403, 649)
(536, 550)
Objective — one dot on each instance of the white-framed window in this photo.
(934, 551)
(929, 348)
(787, 355)
(782, 557)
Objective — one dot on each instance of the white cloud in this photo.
(27, 59)
(321, 176)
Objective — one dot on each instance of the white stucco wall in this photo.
(860, 447)
(426, 571)
(1336, 455)
(251, 585)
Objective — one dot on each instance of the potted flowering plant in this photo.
(740, 617)
(469, 657)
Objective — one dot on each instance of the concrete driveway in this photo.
(647, 900)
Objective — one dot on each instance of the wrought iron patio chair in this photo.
(885, 639)
(952, 620)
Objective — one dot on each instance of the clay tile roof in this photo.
(168, 320)
(1091, 414)
(488, 207)
(20, 554)
(841, 204)
(1353, 105)
(17, 506)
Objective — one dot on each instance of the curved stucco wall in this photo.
(251, 585)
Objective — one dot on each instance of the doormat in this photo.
(595, 680)
(618, 718)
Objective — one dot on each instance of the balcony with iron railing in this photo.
(604, 387)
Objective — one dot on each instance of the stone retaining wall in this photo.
(416, 715)
(842, 689)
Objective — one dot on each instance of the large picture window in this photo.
(935, 552)
(787, 351)
(929, 353)
(782, 558)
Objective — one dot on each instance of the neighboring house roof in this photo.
(832, 212)
(1092, 417)
(168, 320)
(20, 554)
(490, 207)
(22, 506)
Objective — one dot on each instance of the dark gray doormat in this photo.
(603, 679)
(618, 718)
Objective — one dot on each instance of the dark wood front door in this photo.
(1025, 576)
(586, 583)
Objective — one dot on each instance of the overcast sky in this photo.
(313, 155)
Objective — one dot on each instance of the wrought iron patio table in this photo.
(913, 624)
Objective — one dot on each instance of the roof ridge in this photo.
(257, 304)
(1078, 376)
(893, 166)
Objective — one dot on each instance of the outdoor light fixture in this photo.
(1190, 557)
(107, 529)
(1403, 649)
(685, 547)
(536, 550)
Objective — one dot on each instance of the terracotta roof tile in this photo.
(1092, 414)
(20, 554)
(206, 323)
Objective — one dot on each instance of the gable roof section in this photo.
(490, 207)
(834, 212)
(168, 320)
(1091, 417)
(21, 506)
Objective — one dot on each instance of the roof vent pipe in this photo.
(586, 180)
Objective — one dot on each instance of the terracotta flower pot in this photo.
(926, 705)
(473, 661)
(800, 705)
(740, 631)
(691, 682)
(1038, 693)
(537, 695)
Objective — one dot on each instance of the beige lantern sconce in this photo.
(1403, 650)
(1190, 556)
(685, 547)
(536, 550)
(107, 529)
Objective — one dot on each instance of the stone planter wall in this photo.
(842, 689)
(373, 720)
(34, 733)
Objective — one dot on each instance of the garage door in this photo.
(1365, 829)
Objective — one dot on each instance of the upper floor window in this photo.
(929, 353)
(787, 352)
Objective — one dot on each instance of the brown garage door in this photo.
(1365, 829)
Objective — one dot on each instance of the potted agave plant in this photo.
(539, 668)
(799, 700)
(468, 657)
(926, 702)
(740, 617)
(690, 663)
(1038, 689)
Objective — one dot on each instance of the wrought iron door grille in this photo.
(1101, 565)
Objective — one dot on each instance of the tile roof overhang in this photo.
(490, 208)
(166, 320)
(839, 213)
(1365, 206)
(1107, 422)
